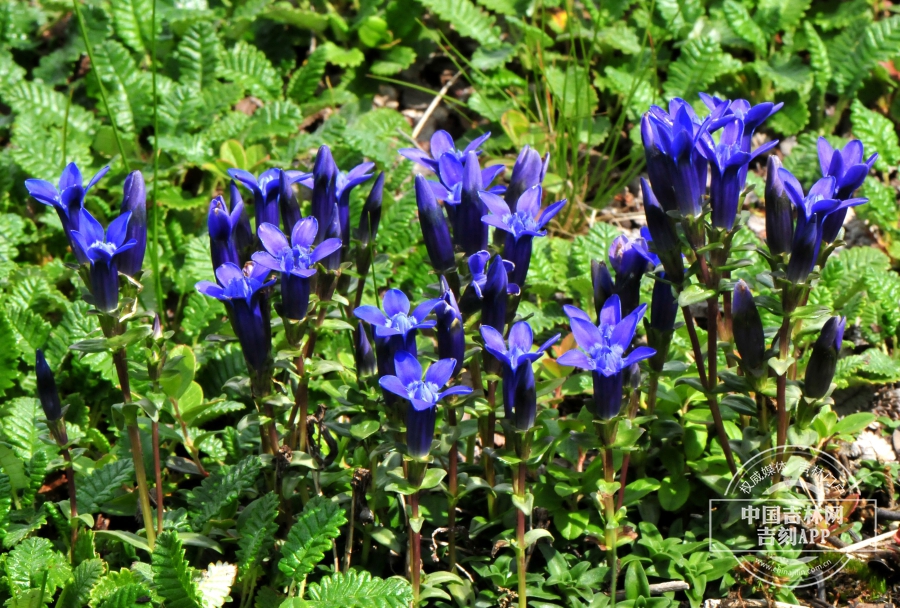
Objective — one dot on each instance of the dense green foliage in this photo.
(253, 84)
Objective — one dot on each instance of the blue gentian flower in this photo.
(602, 351)
(244, 294)
(663, 305)
(675, 163)
(779, 211)
(266, 191)
(363, 354)
(287, 202)
(602, 284)
(662, 234)
(812, 209)
(134, 201)
(527, 172)
(222, 225)
(434, 228)
(469, 232)
(396, 322)
(243, 233)
(68, 199)
(747, 327)
(295, 261)
(849, 170)
(452, 172)
(332, 262)
(527, 222)
(630, 258)
(752, 117)
(516, 359)
(823, 360)
(48, 394)
(474, 295)
(442, 143)
(326, 170)
(422, 395)
(371, 213)
(103, 252)
(450, 333)
(728, 162)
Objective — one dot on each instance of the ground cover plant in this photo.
(444, 303)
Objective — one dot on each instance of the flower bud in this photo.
(469, 232)
(804, 253)
(287, 201)
(602, 283)
(434, 228)
(528, 172)
(451, 335)
(46, 386)
(748, 331)
(779, 213)
(242, 232)
(363, 353)
(371, 214)
(135, 201)
(664, 236)
(823, 360)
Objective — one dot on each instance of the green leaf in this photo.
(395, 60)
(249, 67)
(284, 12)
(127, 88)
(466, 18)
(700, 63)
(22, 425)
(305, 80)
(854, 423)
(256, 529)
(316, 528)
(818, 56)
(102, 485)
(355, 590)
(219, 493)
(572, 88)
(636, 583)
(125, 596)
(341, 57)
(673, 493)
(694, 294)
(172, 576)
(86, 575)
(215, 584)
(27, 563)
(877, 133)
(6, 496)
(178, 373)
(743, 25)
(129, 538)
(279, 118)
(198, 55)
(131, 19)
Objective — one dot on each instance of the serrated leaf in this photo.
(818, 57)
(132, 23)
(877, 134)
(22, 425)
(198, 55)
(276, 119)
(127, 87)
(794, 116)
(740, 22)
(700, 63)
(102, 485)
(219, 492)
(305, 80)
(256, 527)
(125, 596)
(171, 573)
(679, 15)
(215, 584)
(341, 57)
(249, 67)
(396, 59)
(355, 590)
(466, 18)
(316, 528)
(86, 575)
(26, 564)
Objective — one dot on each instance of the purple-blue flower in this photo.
(849, 170)
(244, 293)
(752, 117)
(823, 360)
(442, 143)
(243, 233)
(603, 352)
(266, 191)
(48, 394)
(779, 211)
(663, 235)
(102, 252)
(728, 162)
(527, 222)
(134, 201)
(295, 260)
(222, 225)
(363, 354)
(516, 359)
(749, 337)
(434, 228)
(450, 332)
(67, 199)
(487, 291)
(396, 322)
(630, 258)
(422, 393)
(527, 172)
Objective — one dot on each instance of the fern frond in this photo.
(172, 577)
(218, 494)
(317, 526)
(256, 528)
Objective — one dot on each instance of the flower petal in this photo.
(408, 368)
(548, 343)
(639, 354)
(395, 302)
(115, 234)
(228, 272)
(550, 212)
(493, 342)
(245, 177)
(573, 312)
(370, 314)
(493, 202)
(440, 372)
(441, 143)
(611, 313)
(42, 191)
(272, 239)
(304, 232)
(424, 309)
(624, 331)
(456, 390)
(208, 288)
(96, 178)
(476, 143)
(586, 333)
(267, 260)
(394, 385)
(324, 249)
(575, 358)
(70, 176)
(489, 174)
(521, 336)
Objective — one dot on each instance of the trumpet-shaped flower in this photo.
(779, 213)
(244, 294)
(603, 351)
(266, 191)
(442, 143)
(527, 172)
(434, 228)
(450, 333)
(67, 199)
(527, 222)
(134, 200)
(103, 252)
(748, 331)
(295, 260)
(516, 359)
(487, 290)
(222, 225)
(422, 393)
(396, 322)
(662, 234)
(849, 170)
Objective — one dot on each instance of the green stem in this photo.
(415, 549)
(521, 566)
(712, 352)
(611, 527)
(65, 130)
(154, 207)
(103, 98)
